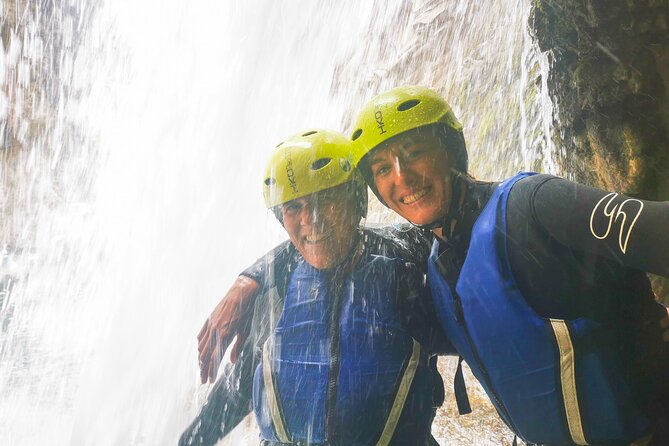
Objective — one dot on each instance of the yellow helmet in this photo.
(402, 109)
(309, 162)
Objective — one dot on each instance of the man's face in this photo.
(412, 174)
(323, 225)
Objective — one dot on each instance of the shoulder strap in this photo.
(460, 390)
(401, 396)
(568, 380)
(271, 394)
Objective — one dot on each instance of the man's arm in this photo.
(226, 407)
(230, 318)
(232, 315)
(230, 399)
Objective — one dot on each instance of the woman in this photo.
(537, 281)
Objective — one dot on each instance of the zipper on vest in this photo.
(459, 312)
(460, 317)
(333, 375)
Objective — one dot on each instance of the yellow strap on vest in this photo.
(568, 381)
(270, 392)
(643, 441)
(400, 398)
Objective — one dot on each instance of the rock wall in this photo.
(609, 82)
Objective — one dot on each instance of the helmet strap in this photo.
(454, 212)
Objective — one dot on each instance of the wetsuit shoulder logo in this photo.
(620, 213)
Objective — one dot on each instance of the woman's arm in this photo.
(628, 230)
(625, 229)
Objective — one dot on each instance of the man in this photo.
(539, 282)
(335, 354)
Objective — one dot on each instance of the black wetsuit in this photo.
(578, 251)
(230, 400)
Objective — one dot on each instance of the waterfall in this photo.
(134, 135)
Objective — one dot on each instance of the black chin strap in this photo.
(454, 209)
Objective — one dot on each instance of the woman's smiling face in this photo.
(412, 174)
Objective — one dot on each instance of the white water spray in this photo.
(158, 201)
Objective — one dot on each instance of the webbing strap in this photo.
(460, 390)
(568, 381)
(643, 441)
(401, 396)
(270, 392)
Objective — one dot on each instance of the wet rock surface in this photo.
(609, 82)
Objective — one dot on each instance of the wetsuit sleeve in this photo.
(628, 230)
(418, 312)
(274, 263)
(231, 398)
(227, 404)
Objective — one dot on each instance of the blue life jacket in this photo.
(339, 354)
(552, 381)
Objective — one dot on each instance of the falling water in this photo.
(133, 136)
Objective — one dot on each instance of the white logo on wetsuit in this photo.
(614, 213)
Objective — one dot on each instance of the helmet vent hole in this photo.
(310, 133)
(270, 181)
(406, 105)
(320, 163)
(356, 134)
